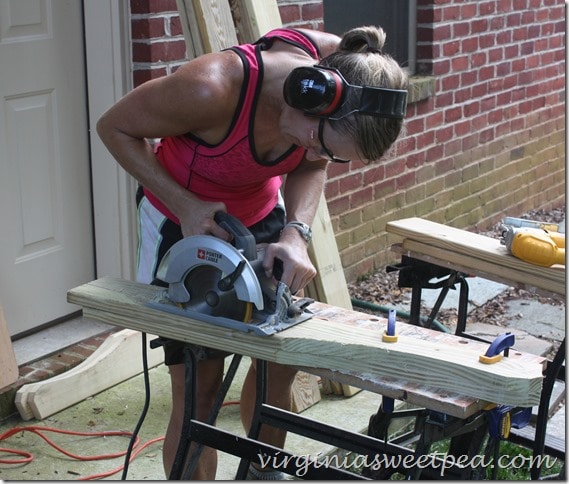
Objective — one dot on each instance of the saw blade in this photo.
(202, 283)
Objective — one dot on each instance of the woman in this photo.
(232, 126)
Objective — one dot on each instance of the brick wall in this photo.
(487, 141)
(158, 45)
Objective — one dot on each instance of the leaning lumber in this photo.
(335, 339)
(329, 286)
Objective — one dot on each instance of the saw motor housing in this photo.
(237, 278)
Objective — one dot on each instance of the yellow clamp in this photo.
(493, 354)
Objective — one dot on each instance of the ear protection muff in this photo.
(323, 91)
(314, 90)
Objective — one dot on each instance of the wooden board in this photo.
(116, 360)
(476, 252)
(329, 286)
(254, 18)
(207, 25)
(335, 339)
(305, 392)
(8, 364)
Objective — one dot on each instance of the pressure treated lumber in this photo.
(8, 364)
(207, 25)
(483, 255)
(329, 286)
(334, 339)
(116, 360)
(254, 18)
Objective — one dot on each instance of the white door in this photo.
(46, 242)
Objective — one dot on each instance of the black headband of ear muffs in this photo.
(323, 91)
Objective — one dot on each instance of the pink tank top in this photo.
(231, 171)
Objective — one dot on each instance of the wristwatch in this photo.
(304, 230)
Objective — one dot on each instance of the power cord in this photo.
(132, 451)
(134, 437)
(134, 448)
(40, 431)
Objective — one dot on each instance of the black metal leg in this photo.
(415, 310)
(551, 375)
(186, 435)
(462, 306)
(190, 368)
(260, 399)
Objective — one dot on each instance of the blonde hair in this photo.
(362, 62)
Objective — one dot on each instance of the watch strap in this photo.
(304, 229)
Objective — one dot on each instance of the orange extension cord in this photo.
(27, 457)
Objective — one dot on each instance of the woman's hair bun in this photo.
(363, 39)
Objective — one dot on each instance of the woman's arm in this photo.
(198, 98)
(326, 42)
(302, 191)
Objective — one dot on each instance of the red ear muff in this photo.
(322, 91)
(314, 90)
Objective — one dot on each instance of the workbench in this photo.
(430, 250)
(442, 370)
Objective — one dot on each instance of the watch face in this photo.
(307, 233)
(304, 230)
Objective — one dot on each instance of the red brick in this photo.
(159, 51)
(361, 197)
(150, 28)
(405, 180)
(289, 13)
(459, 63)
(385, 187)
(141, 76)
(350, 182)
(451, 13)
(373, 175)
(152, 6)
(451, 48)
(312, 11)
(175, 26)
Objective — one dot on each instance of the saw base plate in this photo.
(263, 323)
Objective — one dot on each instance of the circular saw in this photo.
(214, 281)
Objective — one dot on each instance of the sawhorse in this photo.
(249, 449)
(126, 303)
(417, 274)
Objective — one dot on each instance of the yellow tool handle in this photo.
(537, 248)
(558, 238)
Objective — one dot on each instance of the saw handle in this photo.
(243, 239)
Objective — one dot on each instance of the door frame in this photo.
(108, 62)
